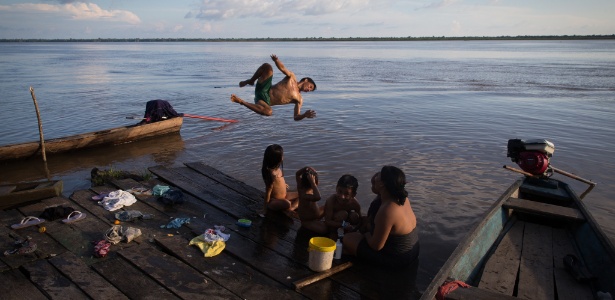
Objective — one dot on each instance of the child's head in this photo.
(273, 156)
(271, 160)
(374, 189)
(346, 187)
(303, 176)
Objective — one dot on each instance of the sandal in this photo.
(74, 217)
(21, 250)
(27, 222)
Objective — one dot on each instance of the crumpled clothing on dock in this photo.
(117, 233)
(212, 242)
(131, 215)
(117, 199)
(176, 223)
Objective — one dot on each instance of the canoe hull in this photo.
(19, 193)
(469, 261)
(112, 136)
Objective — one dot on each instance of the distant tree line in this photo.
(321, 39)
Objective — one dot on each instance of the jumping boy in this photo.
(287, 91)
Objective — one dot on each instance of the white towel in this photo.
(117, 199)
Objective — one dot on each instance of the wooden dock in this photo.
(259, 262)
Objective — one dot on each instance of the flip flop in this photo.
(27, 222)
(22, 250)
(74, 217)
(140, 191)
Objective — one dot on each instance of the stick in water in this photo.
(209, 118)
(40, 125)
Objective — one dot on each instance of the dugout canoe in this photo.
(522, 249)
(113, 136)
(18, 193)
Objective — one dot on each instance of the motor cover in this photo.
(533, 162)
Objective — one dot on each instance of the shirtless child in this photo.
(277, 197)
(342, 210)
(308, 210)
(286, 91)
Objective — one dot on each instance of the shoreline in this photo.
(329, 39)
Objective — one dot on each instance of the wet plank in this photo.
(473, 293)
(77, 237)
(500, 273)
(238, 208)
(131, 281)
(85, 278)
(272, 233)
(179, 278)
(15, 286)
(53, 283)
(536, 268)
(567, 287)
(228, 271)
(46, 245)
(252, 193)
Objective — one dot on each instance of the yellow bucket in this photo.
(321, 253)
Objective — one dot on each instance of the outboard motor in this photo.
(531, 155)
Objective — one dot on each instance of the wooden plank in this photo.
(558, 194)
(228, 271)
(249, 251)
(544, 209)
(6, 189)
(46, 245)
(131, 281)
(536, 269)
(473, 293)
(179, 278)
(16, 286)
(256, 195)
(77, 237)
(567, 287)
(31, 192)
(232, 206)
(500, 273)
(54, 284)
(85, 278)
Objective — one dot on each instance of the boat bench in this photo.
(7, 189)
(544, 209)
(528, 263)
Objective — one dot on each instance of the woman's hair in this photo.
(271, 161)
(348, 181)
(394, 181)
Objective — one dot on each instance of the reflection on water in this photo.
(441, 111)
(162, 150)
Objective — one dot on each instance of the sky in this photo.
(63, 19)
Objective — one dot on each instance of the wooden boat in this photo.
(112, 136)
(14, 194)
(520, 247)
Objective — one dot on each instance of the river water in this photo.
(442, 111)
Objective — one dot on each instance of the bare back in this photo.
(279, 186)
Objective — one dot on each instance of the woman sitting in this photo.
(393, 241)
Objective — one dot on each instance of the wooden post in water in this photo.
(40, 125)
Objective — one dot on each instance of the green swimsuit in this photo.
(261, 91)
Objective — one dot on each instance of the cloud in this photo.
(227, 9)
(76, 10)
(440, 4)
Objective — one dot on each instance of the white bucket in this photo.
(321, 253)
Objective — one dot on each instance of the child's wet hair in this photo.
(272, 159)
(348, 181)
(304, 176)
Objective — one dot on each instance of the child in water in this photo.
(276, 196)
(342, 210)
(309, 212)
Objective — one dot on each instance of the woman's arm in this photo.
(384, 224)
